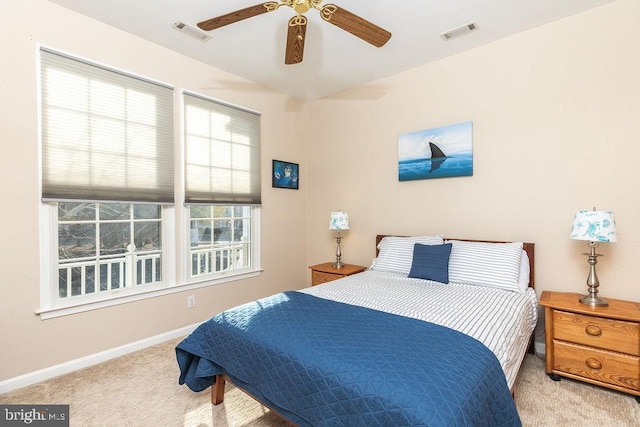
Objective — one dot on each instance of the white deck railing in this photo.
(207, 260)
(118, 273)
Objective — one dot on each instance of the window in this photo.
(108, 212)
(107, 142)
(222, 186)
(221, 239)
(106, 247)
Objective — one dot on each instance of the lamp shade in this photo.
(339, 221)
(594, 226)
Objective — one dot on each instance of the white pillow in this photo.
(523, 282)
(396, 253)
(486, 264)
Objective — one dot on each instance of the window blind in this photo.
(106, 135)
(222, 153)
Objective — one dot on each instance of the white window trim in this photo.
(49, 262)
(52, 313)
(48, 278)
(224, 275)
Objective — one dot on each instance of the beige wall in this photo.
(556, 128)
(28, 343)
(556, 113)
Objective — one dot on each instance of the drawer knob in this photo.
(593, 330)
(593, 363)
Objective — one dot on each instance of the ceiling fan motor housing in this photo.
(301, 6)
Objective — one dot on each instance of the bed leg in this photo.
(217, 390)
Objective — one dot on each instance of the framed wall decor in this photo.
(436, 153)
(285, 175)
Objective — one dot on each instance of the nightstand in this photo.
(322, 273)
(598, 345)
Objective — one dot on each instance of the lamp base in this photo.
(338, 264)
(593, 301)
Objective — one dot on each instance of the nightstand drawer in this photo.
(323, 273)
(318, 277)
(616, 335)
(612, 368)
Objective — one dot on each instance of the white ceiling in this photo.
(334, 60)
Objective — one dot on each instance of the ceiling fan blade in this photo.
(238, 15)
(295, 40)
(354, 24)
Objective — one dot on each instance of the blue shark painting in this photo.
(436, 153)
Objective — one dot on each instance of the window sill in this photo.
(51, 313)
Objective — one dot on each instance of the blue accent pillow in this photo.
(431, 262)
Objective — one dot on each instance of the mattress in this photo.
(502, 320)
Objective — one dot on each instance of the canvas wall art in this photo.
(285, 175)
(441, 152)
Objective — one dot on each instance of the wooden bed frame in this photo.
(217, 389)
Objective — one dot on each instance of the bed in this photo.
(433, 333)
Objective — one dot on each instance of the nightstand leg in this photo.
(554, 377)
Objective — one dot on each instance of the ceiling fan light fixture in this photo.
(192, 31)
(459, 31)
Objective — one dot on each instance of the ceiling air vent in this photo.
(459, 31)
(192, 31)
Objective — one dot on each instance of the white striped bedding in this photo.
(490, 264)
(502, 320)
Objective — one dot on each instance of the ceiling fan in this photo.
(331, 13)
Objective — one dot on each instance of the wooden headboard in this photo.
(528, 248)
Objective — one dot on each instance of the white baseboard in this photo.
(540, 349)
(93, 359)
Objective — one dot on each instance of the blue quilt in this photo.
(324, 363)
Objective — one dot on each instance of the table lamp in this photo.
(339, 221)
(595, 227)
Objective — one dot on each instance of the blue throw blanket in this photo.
(324, 363)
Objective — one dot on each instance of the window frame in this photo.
(223, 276)
(174, 280)
(51, 305)
(175, 234)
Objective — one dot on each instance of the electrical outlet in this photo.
(191, 301)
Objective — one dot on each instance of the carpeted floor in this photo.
(141, 389)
